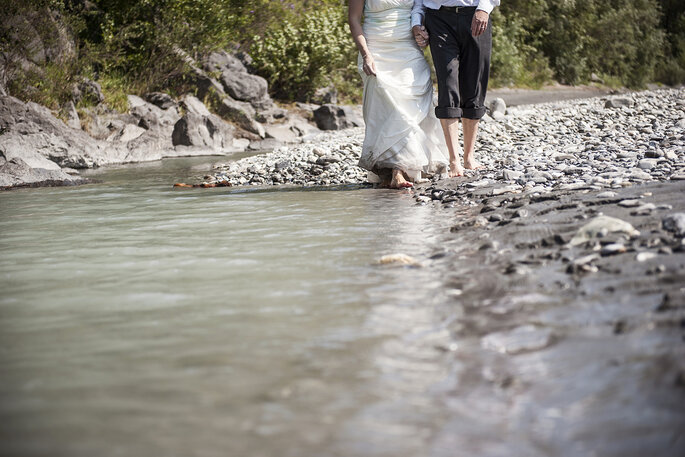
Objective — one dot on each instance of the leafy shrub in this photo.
(297, 58)
(515, 61)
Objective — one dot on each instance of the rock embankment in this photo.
(33, 140)
(594, 143)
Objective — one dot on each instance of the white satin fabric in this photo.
(401, 128)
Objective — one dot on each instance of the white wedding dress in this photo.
(401, 128)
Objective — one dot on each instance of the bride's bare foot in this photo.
(472, 164)
(455, 169)
(399, 181)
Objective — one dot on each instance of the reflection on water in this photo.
(219, 323)
(138, 319)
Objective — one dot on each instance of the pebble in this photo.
(511, 175)
(675, 223)
(646, 164)
(645, 256)
(629, 203)
(612, 249)
(505, 190)
(643, 210)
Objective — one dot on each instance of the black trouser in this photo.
(462, 62)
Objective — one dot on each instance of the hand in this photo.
(479, 23)
(369, 66)
(420, 35)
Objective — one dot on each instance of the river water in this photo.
(141, 320)
(138, 319)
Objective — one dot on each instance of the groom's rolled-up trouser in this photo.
(462, 62)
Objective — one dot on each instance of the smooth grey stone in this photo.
(644, 210)
(511, 175)
(160, 99)
(612, 249)
(498, 106)
(646, 164)
(619, 102)
(645, 256)
(675, 223)
(631, 203)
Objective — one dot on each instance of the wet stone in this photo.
(526, 338)
(644, 210)
(632, 203)
(613, 249)
(675, 223)
(645, 256)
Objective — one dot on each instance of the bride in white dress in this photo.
(404, 140)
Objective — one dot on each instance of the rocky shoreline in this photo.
(606, 142)
(227, 111)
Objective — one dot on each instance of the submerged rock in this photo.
(16, 172)
(522, 339)
(398, 259)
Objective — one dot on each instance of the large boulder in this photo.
(33, 136)
(31, 129)
(334, 117)
(236, 80)
(160, 100)
(240, 113)
(244, 86)
(150, 115)
(16, 172)
(192, 104)
(220, 61)
(203, 131)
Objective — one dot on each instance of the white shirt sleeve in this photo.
(483, 5)
(417, 12)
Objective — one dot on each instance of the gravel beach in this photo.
(608, 142)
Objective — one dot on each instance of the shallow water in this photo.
(137, 319)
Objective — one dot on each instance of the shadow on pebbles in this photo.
(570, 338)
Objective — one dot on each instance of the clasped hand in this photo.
(420, 35)
(479, 25)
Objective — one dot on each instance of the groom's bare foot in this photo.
(455, 169)
(472, 164)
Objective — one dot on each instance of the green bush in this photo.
(300, 45)
(514, 60)
(297, 58)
